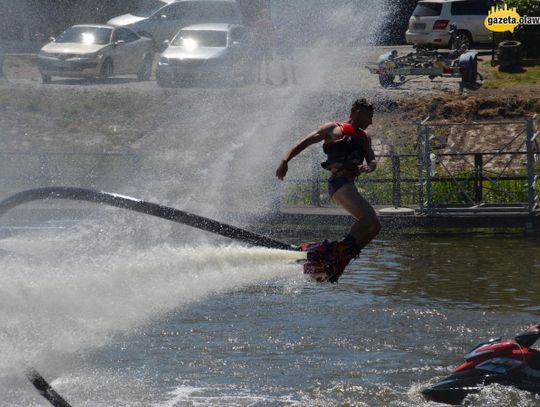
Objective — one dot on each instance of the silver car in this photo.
(206, 51)
(90, 51)
(161, 19)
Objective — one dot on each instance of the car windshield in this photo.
(86, 35)
(147, 8)
(427, 10)
(200, 38)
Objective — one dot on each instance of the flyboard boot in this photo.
(327, 260)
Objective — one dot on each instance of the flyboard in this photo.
(307, 253)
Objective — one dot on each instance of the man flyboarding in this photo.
(349, 153)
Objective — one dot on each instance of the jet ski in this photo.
(509, 362)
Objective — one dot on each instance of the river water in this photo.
(219, 324)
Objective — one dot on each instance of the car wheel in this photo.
(146, 69)
(107, 69)
(45, 78)
(462, 41)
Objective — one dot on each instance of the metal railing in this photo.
(441, 179)
(433, 179)
(472, 173)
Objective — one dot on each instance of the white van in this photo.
(162, 19)
(430, 21)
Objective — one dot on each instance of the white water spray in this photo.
(48, 309)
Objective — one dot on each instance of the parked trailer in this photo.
(426, 63)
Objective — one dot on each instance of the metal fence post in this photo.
(478, 175)
(427, 159)
(396, 180)
(531, 192)
(420, 144)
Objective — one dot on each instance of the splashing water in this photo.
(60, 295)
(49, 308)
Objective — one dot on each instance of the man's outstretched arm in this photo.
(312, 138)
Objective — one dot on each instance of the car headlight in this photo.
(163, 61)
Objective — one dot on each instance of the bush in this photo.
(525, 7)
(528, 35)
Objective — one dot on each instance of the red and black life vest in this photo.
(347, 152)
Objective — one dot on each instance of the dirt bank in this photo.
(125, 115)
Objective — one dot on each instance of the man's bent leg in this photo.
(367, 224)
(331, 258)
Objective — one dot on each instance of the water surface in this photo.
(226, 325)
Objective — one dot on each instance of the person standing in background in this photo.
(263, 43)
(285, 54)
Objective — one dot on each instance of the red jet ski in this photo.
(509, 362)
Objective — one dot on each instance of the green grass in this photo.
(495, 79)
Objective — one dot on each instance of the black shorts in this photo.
(336, 182)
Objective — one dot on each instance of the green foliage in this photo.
(529, 35)
(493, 192)
(525, 7)
(377, 188)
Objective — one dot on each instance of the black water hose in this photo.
(45, 388)
(137, 205)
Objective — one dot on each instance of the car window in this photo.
(427, 9)
(200, 38)
(148, 7)
(201, 11)
(477, 8)
(121, 34)
(86, 35)
(132, 36)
